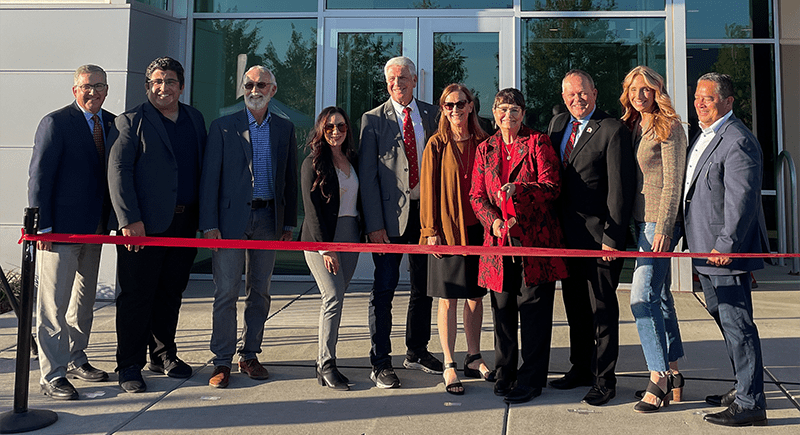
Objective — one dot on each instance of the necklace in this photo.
(507, 149)
(469, 150)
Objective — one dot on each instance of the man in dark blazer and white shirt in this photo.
(248, 190)
(153, 174)
(722, 213)
(68, 185)
(393, 136)
(597, 186)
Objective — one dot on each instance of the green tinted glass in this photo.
(592, 5)
(418, 4)
(728, 19)
(255, 6)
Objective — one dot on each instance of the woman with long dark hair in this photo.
(330, 197)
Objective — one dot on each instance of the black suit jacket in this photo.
(67, 176)
(321, 215)
(598, 182)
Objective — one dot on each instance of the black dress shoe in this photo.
(87, 373)
(572, 380)
(60, 389)
(735, 415)
(502, 388)
(599, 395)
(522, 394)
(130, 379)
(328, 376)
(722, 399)
(172, 367)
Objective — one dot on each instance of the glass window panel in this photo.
(255, 6)
(592, 5)
(160, 4)
(605, 48)
(360, 82)
(468, 58)
(753, 87)
(739, 19)
(419, 4)
(289, 48)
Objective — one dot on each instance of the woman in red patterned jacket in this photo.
(515, 182)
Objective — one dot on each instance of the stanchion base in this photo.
(32, 419)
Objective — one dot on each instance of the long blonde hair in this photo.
(664, 115)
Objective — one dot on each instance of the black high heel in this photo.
(475, 373)
(662, 396)
(329, 376)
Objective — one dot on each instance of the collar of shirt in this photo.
(252, 119)
(583, 123)
(398, 109)
(714, 128)
(88, 116)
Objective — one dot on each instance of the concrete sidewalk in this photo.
(292, 402)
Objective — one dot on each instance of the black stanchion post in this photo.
(22, 419)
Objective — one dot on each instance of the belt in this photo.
(261, 203)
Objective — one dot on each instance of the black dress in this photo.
(456, 276)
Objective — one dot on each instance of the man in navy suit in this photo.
(248, 190)
(723, 214)
(393, 136)
(67, 184)
(153, 174)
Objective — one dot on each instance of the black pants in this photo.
(151, 284)
(590, 300)
(532, 309)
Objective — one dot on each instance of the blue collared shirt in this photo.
(568, 131)
(88, 116)
(263, 187)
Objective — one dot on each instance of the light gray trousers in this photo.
(332, 287)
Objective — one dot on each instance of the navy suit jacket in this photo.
(142, 170)
(226, 185)
(67, 176)
(598, 183)
(723, 208)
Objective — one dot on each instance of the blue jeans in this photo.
(652, 304)
(227, 266)
(730, 303)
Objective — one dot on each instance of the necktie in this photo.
(410, 140)
(99, 142)
(571, 141)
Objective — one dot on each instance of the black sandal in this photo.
(476, 373)
(456, 387)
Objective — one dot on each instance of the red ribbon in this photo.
(381, 248)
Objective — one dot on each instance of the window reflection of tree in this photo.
(448, 64)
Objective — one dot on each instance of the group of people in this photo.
(433, 176)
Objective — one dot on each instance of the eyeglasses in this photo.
(458, 105)
(98, 87)
(342, 127)
(511, 110)
(160, 82)
(260, 85)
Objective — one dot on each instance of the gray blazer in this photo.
(142, 171)
(226, 185)
(723, 208)
(383, 167)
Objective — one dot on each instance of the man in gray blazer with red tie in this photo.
(248, 190)
(67, 184)
(393, 136)
(722, 213)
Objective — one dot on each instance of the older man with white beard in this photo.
(248, 190)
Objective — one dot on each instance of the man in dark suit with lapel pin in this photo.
(248, 190)
(68, 185)
(153, 174)
(723, 214)
(597, 190)
(393, 136)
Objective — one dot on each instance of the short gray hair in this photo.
(88, 69)
(261, 68)
(579, 73)
(723, 81)
(402, 61)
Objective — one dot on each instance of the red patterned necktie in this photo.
(570, 141)
(410, 140)
(99, 142)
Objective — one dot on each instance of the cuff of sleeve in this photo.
(210, 230)
(287, 228)
(46, 230)
(427, 232)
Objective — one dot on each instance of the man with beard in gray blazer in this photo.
(723, 214)
(248, 191)
(393, 136)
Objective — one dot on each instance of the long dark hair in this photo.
(320, 150)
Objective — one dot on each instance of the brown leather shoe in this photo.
(220, 377)
(253, 368)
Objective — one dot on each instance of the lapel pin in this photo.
(589, 130)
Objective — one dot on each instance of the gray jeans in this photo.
(332, 287)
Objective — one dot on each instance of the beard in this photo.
(255, 102)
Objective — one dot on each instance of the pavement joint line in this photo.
(783, 389)
(504, 431)
(313, 286)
